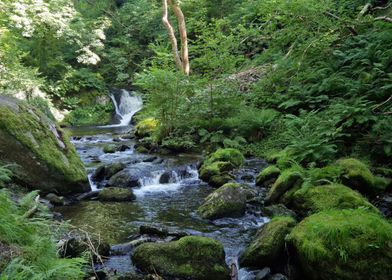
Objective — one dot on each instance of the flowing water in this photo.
(172, 204)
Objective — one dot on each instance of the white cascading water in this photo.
(129, 105)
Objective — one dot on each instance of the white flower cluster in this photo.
(31, 15)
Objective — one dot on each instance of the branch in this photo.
(366, 9)
(384, 18)
(32, 211)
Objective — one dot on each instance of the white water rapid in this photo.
(129, 104)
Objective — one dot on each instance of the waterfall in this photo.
(126, 105)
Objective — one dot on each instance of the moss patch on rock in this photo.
(268, 245)
(44, 157)
(287, 180)
(357, 175)
(190, 257)
(343, 244)
(227, 201)
(116, 194)
(146, 127)
(234, 156)
(314, 199)
(269, 174)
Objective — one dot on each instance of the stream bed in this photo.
(171, 205)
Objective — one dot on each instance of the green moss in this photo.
(219, 180)
(357, 175)
(116, 194)
(234, 156)
(37, 134)
(344, 244)
(288, 179)
(146, 127)
(109, 149)
(190, 257)
(268, 174)
(328, 174)
(215, 168)
(315, 199)
(268, 244)
(227, 201)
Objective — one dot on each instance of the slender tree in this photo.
(181, 57)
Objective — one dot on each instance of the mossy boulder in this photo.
(312, 199)
(287, 180)
(234, 156)
(215, 169)
(267, 176)
(116, 194)
(109, 149)
(357, 175)
(190, 257)
(277, 210)
(39, 152)
(227, 201)
(343, 244)
(268, 245)
(104, 172)
(146, 127)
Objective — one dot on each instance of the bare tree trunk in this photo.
(183, 36)
(182, 61)
(172, 36)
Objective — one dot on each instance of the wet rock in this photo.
(150, 159)
(39, 153)
(55, 199)
(165, 177)
(125, 179)
(151, 230)
(116, 139)
(198, 258)
(278, 210)
(247, 177)
(116, 194)
(122, 148)
(267, 246)
(109, 149)
(263, 274)
(104, 172)
(384, 203)
(227, 201)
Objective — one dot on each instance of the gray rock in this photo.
(125, 179)
(263, 274)
(55, 199)
(278, 276)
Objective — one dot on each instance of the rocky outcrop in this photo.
(40, 154)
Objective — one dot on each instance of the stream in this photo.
(171, 204)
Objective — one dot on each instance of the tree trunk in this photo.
(182, 60)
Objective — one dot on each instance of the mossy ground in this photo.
(189, 258)
(344, 244)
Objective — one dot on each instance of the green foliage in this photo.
(5, 176)
(33, 242)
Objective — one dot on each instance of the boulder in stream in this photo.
(116, 194)
(227, 201)
(38, 151)
(191, 257)
(125, 179)
(104, 172)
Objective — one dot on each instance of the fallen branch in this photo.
(34, 209)
(384, 18)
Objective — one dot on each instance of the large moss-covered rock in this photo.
(343, 244)
(268, 245)
(227, 201)
(357, 175)
(190, 257)
(287, 180)
(41, 154)
(146, 127)
(215, 169)
(314, 199)
(116, 194)
(267, 176)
